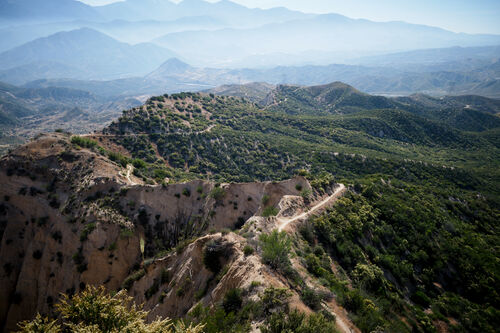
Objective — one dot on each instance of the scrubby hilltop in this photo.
(182, 201)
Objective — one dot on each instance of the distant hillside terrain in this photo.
(25, 112)
(333, 34)
(255, 92)
(469, 113)
(83, 54)
(303, 120)
(465, 58)
(174, 75)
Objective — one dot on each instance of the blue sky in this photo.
(471, 16)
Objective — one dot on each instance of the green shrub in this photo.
(307, 232)
(298, 322)
(322, 181)
(275, 248)
(302, 172)
(270, 211)
(311, 298)
(265, 199)
(79, 260)
(161, 174)
(112, 247)
(139, 164)
(94, 310)
(248, 250)
(420, 298)
(118, 158)
(135, 276)
(126, 233)
(200, 294)
(39, 325)
(87, 230)
(164, 276)
(306, 194)
(318, 251)
(353, 301)
(275, 299)
(370, 277)
(232, 300)
(222, 273)
(217, 193)
(183, 244)
(83, 142)
(181, 291)
(254, 284)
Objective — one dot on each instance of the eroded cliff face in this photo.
(71, 217)
(46, 247)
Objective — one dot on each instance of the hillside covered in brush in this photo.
(324, 128)
(313, 209)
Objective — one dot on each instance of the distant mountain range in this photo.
(226, 34)
(451, 59)
(224, 10)
(145, 47)
(475, 75)
(85, 53)
(341, 38)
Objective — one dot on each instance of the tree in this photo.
(94, 310)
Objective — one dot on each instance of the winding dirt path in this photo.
(284, 222)
(130, 169)
(343, 322)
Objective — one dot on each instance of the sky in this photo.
(470, 16)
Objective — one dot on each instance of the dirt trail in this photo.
(343, 322)
(130, 169)
(284, 222)
(208, 129)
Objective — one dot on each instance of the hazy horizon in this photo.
(457, 16)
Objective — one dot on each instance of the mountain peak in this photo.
(174, 64)
(82, 34)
